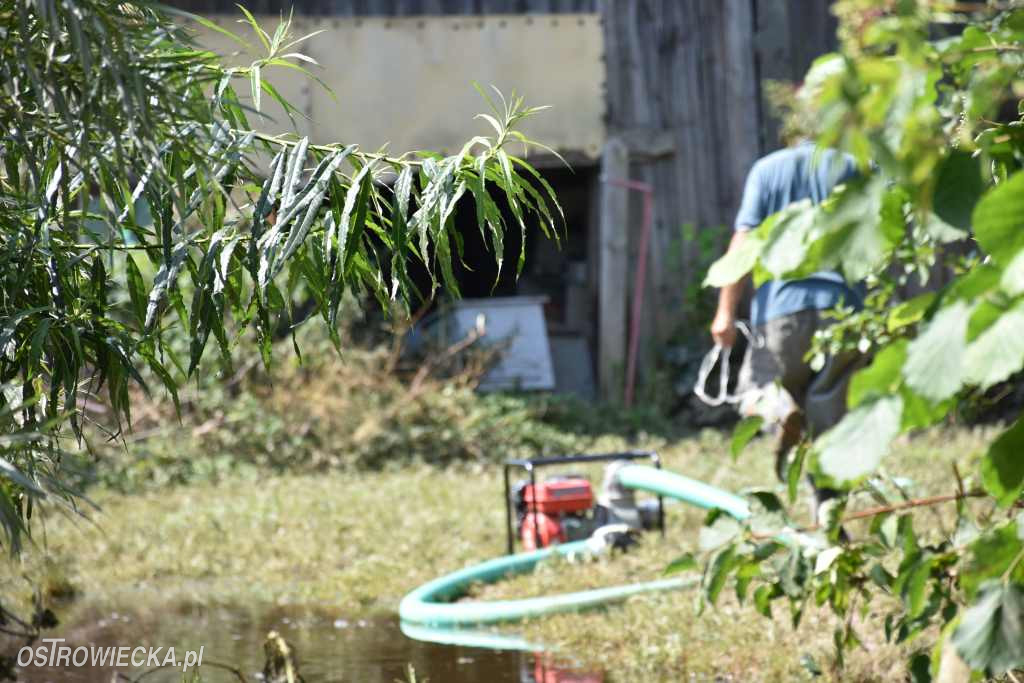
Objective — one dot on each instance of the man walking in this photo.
(786, 313)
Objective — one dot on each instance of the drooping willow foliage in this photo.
(135, 195)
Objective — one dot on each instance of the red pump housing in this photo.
(544, 507)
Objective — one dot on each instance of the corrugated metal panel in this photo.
(390, 8)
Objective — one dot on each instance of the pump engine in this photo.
(562, 508)
(555, 511)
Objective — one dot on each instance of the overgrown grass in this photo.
(362, 409)
(353, 542)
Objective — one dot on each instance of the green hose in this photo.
(431, 604)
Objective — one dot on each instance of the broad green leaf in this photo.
(882, 378)
(882, 578)
(990, 636)
(718, 572)
(1013, 277)
(998, 352)
(1002, 468)
(746, 430)
(941, 231)
(721, 531)
(856, 446)
(886, 526)
(735, 263)
(825, 559)
(763, 600)
(999, 220)
(991, 555)
(915, 586)
(935, 360)
(920, 669)
(958, 188)
(984, 315)
(919, 412)
(857, 230)
(747, 572)
(909, 312)
(787, 237)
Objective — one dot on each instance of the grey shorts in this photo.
(820, 394)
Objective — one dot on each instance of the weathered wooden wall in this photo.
(390, 7)
(789, 36)
(684, 93)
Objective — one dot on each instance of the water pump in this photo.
(563, 508)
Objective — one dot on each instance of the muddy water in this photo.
(329, 649)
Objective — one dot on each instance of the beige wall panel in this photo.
(407, 82)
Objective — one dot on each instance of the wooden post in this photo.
(613, 286)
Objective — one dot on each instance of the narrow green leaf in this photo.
(260, 33)
(136, 289)
(256, 85)
(746, 430)
(684, 563)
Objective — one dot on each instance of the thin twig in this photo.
(881, 509)
(421, 375)
(999, 48)
(912, 503)
(934, 511)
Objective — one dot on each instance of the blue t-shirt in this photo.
(776, 181)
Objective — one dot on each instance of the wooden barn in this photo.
(658, 104)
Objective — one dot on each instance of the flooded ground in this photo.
(329, 650)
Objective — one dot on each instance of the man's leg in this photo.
(826, 406)
(787, 339)
(826, 393)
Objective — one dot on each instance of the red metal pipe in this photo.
(639, 280)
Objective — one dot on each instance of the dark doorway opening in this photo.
(562, 271)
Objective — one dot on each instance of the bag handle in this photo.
(708, 364)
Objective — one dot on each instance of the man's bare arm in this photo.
(723, 327)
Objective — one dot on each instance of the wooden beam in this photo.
(614, 255)
(646, 142)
